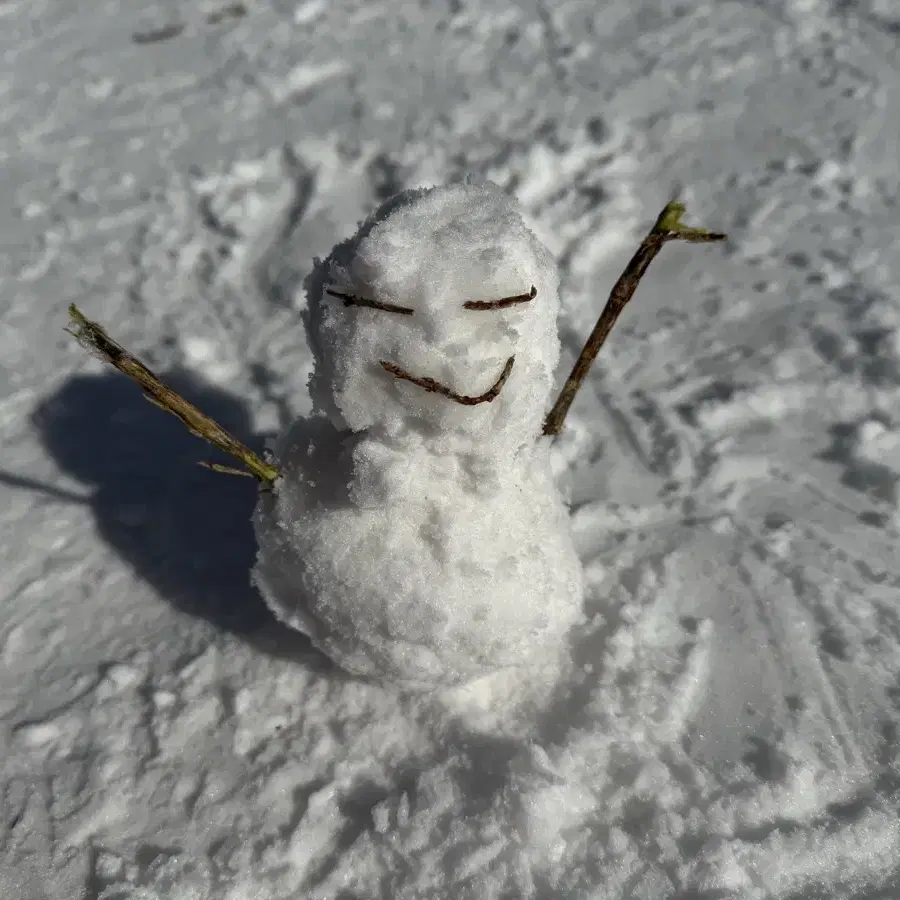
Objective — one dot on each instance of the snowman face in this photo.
(441, 318)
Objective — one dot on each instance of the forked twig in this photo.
(94, 338)
(435, 387)
(667, 228)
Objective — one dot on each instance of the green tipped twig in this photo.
(93, 337)
(667, 228)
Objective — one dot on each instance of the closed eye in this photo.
(503, 302)
(353, 300)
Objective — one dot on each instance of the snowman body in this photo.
(456, 576)
(416, 533)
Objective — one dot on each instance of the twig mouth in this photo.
(435, 387)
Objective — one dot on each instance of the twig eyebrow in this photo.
(503, 302)
(429, 384)
(354, 300)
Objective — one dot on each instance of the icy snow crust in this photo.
(414, 538)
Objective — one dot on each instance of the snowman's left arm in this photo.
(667, 228)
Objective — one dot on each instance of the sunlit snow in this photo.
(723, 721)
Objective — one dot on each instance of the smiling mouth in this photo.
(435, 387)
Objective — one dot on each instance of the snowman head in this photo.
(437, 318)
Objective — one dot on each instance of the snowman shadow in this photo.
(184, 529)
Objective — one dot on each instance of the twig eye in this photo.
(354, 300)
(503, 302)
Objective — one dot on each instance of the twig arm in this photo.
(668, 227)
(94, 339)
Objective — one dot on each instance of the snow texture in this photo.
(415, 538)
(726, 724)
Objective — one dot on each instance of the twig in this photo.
(93, 337)
(667, 228)
(354, 300)
(225, 470)
(429, 384)
(503, 302)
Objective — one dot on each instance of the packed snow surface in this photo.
(418, 536)
(725, 721)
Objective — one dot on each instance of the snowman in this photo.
(416, 533)
(411, 525)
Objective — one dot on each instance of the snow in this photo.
(412, 566)
(726, 724)
(418, 536)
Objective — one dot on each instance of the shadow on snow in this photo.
(184, 529)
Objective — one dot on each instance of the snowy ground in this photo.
(733, 465)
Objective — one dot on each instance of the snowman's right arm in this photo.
(94, 338)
